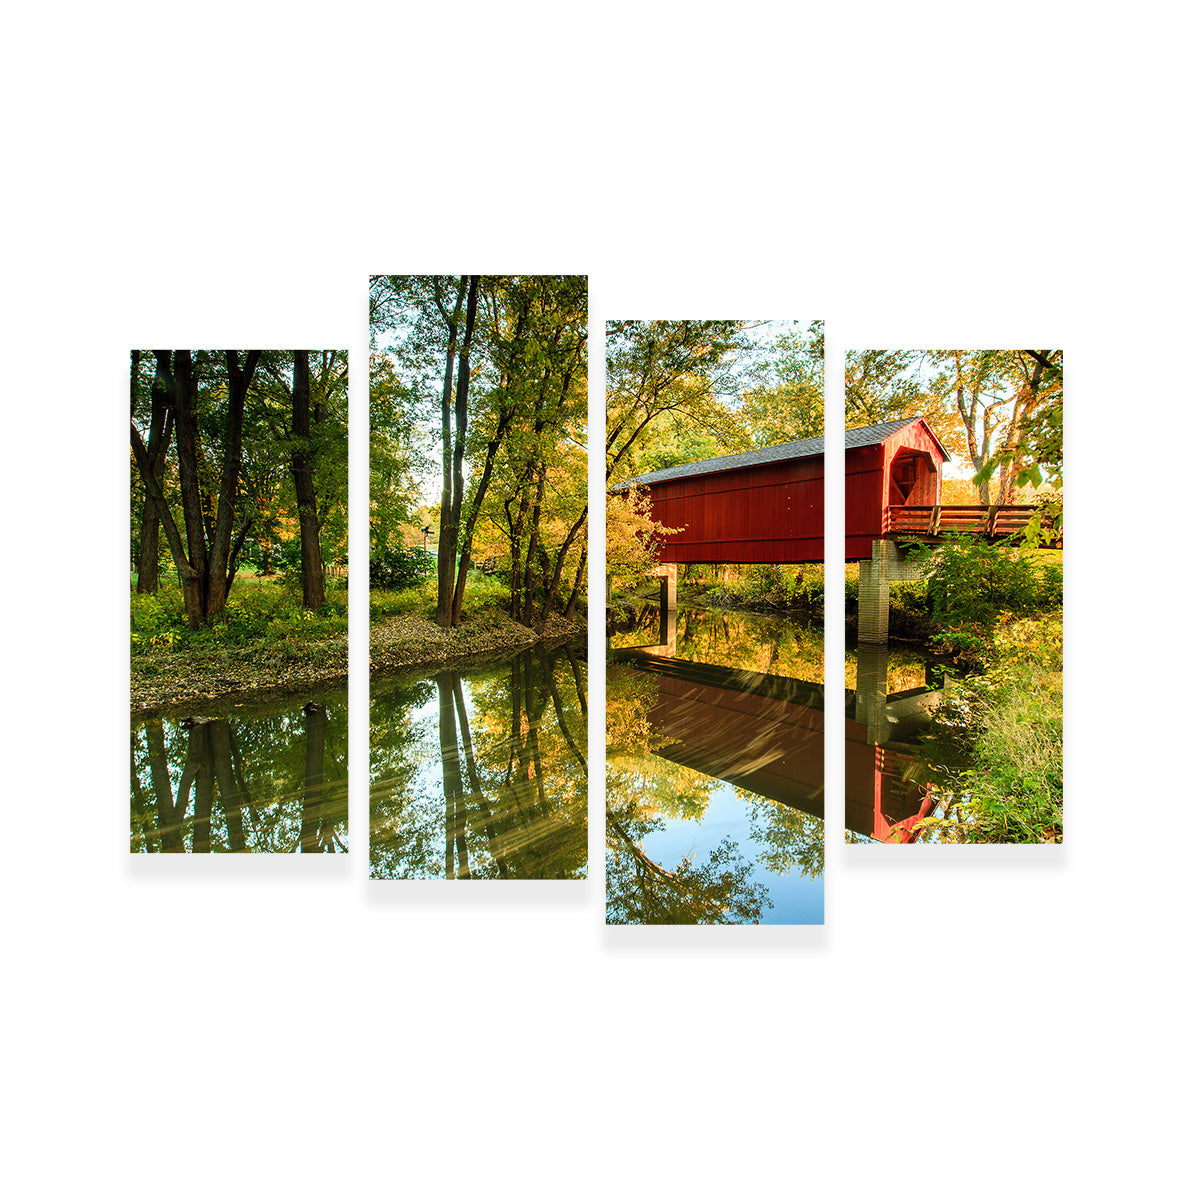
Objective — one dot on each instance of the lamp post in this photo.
(425, 529)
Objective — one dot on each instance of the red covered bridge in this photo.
(767, 506)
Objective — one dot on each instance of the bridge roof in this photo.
(868, 435)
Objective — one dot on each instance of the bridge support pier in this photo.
(668, 579)
(875, 577)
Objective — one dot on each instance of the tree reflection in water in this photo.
(269, 778)
(714, 760)
(482, 773)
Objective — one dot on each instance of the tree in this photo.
(655, 368)
(519, 392)
(786, 400)
(207, 566)
(161, 427)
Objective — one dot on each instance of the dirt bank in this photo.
(172, 679)
(413, 640)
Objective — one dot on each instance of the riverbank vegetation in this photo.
(997, 612)
(238, 520)
(479, 389)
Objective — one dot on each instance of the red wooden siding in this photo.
(775, 512)
(769, 513)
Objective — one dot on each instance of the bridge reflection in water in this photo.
(765, 733)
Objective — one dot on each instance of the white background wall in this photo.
(970, 1021)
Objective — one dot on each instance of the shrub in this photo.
(398, 568)
(970, 581)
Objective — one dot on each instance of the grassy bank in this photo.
(1013, 789)
(404, 632)
(265, 639)
(999, 613)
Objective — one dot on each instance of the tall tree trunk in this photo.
(1022, 410)
(464, 561)
(446, 547)
(445, 606)
(161, 419)
(187, 435)
(535, 516)
(559, 561)
(580, 574)
(222, 531)
(312, 572)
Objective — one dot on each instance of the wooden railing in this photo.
(920, 521)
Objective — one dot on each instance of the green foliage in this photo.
(971, 582)
(768, 586)
(1013, 790)
(483, 593)
(399, 568)
(262, 613)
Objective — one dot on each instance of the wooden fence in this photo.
(929, 522)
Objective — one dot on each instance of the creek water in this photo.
(481, 773)
(715, 779)
(907, 738)
(264, 776)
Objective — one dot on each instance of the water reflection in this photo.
(482, 773)
(898, 739)
(268, 777)
(715, 781)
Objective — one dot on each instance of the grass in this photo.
(260, 612)
(1013, 791)
(483, 593)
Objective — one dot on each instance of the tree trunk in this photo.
(580, 574)
(452, 521)
(464, 562)
(312, 573)
(445, 555)
(187, 435)
(161, 418)
(559, 561)
(535, 516)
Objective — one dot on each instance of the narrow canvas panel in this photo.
(478, 577)
(714, 624)
(954, 595)
(238, 552)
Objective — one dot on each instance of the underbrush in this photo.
(1013, 790)
(483, 594)
(761, 587)
(258, 611)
